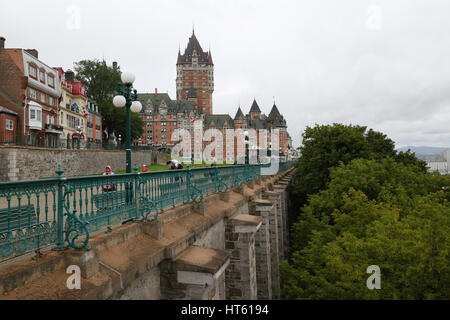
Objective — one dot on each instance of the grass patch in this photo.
(159, 167)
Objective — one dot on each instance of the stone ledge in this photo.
(262, 202)
(139, 251)
(198, 259)
(244, 220)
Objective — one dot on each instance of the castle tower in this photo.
(195, 76)
(255, 111)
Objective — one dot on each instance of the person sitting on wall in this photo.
(108, 172)
(175, 165)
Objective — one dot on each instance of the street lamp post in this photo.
(128, 98)
(246, 147)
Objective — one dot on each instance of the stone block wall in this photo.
(274, 229)
(19, 163)
(262, 208)
(240, 276)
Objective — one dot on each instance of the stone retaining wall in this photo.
(20, 163)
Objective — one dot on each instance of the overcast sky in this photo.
(382, 64)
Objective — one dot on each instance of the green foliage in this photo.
(101, 81)
(118, 123)
(326, 146)
(373, 212)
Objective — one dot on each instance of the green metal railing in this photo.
(63, 212)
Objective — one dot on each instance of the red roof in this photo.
(76, 88)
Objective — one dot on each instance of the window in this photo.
(33, 93)
(9, 125)
(43, 97)
(33, 71)
(50, 119)
(51, 80)
(35, 114)
(51, 101)
(62, 117)
(42, 75)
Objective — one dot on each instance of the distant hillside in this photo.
(426, 153)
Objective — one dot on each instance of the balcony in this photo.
(53, 128)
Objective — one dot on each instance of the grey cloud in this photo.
(324, 61)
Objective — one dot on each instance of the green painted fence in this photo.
(63, 212)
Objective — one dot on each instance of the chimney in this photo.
(2, 42)
(33, 52)
(69, 75)
(114, 65)
(156, 92)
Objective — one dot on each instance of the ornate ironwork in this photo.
(63, 212)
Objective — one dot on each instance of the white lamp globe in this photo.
(119, 101)
(127, 77)
(136, 106)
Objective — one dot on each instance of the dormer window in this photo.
(33, 71)
(42, 75)
(51, 80)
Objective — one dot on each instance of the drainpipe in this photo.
(24, 116)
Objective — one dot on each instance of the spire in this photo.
(239, 114)
(255, 107)
(194, 45)
(179, 60)
(274, 113)
(210, 61)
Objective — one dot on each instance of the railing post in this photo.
(60, 214)
(136, 192)
(216, 177)
(188, 182)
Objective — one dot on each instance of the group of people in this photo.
(172, 164)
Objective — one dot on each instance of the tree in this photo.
(101, 82)
(119, 123)
(373, 212)
(326, 146)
